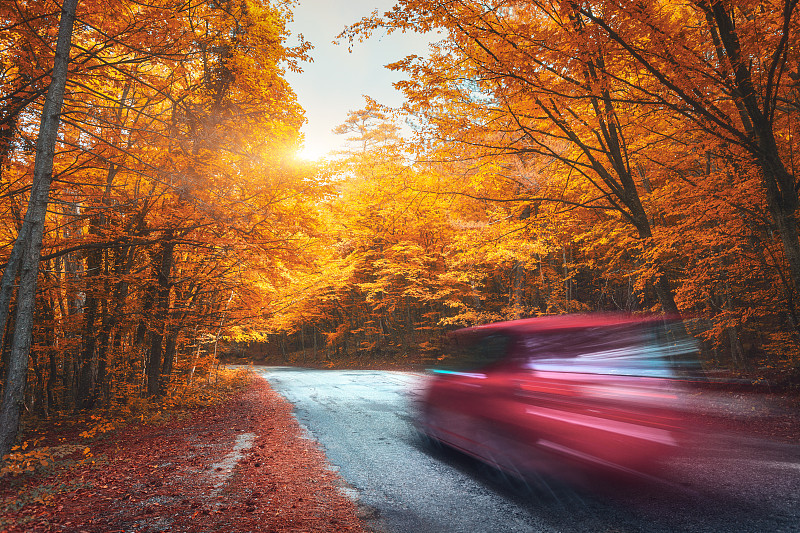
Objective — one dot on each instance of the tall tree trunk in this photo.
(14, 390)
(9, 280)
(160, 315)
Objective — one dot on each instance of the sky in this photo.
(335, 81)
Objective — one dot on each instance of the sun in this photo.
(310, 153)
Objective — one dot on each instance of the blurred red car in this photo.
(533, 395)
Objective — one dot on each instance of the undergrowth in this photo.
(64, 440)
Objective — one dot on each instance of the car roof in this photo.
(554, 323)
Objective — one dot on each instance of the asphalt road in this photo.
(362, 420)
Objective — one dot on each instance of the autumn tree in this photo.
(619, 113)
(176, 197)
(521, 97)
(368, 128)
(726, 68)
(24, 256)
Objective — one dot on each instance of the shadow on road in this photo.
(710, 493)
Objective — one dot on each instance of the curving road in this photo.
(361, 418)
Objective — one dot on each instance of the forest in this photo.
(551, 157)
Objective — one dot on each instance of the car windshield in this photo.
(648, 349)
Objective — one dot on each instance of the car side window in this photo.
(475, 354)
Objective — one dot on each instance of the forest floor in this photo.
(244, 465)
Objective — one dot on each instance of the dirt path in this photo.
(241, 467)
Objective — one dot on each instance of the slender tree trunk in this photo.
(169, 361)
(52, 400)
(14, 390)
(51, 341)
(87, 363)
(104, 338)
(39, 397)
(517, 284)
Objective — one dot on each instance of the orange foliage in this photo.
(575, 156)
(176, 206)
